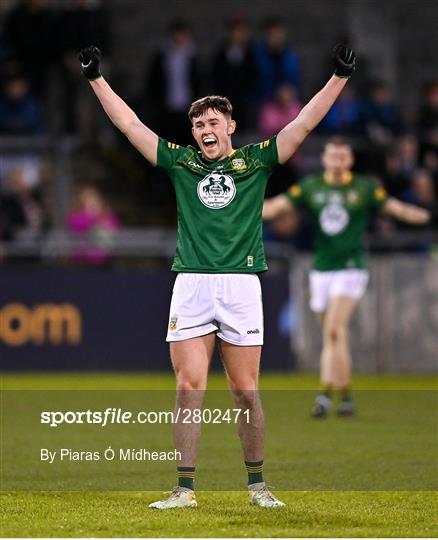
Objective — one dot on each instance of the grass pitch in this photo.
(310, 513)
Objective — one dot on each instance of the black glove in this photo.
(344, 60)
(90, 60)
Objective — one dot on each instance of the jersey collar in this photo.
(219, 161)
(347, 177)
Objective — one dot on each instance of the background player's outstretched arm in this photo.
(291, 136)
(276, 206)
(406, 212)
(122, 116)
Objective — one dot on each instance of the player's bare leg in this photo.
(335, 355)
(242, 368)
(242, 364)
(190, 359)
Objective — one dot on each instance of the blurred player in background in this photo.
(219, 192)
(339, 202)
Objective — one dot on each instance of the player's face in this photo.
(337, 158)
(212, 131)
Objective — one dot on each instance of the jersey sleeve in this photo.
(296, 194)
(168, 153)
(265, 152)
(378, 195)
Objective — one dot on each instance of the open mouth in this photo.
(209, 142)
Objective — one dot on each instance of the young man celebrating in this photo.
(339, 202)
(219, 192)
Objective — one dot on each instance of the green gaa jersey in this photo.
(219, 206)
(339, 215)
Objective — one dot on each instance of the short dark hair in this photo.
(217, 103)
(338, 140)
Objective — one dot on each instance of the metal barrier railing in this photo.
(161, 242)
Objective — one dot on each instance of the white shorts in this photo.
(229, 304)
(327, 285)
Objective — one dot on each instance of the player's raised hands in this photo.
(90, 61)
(344, 60)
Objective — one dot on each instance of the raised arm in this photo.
(122, 116)
(276, 206)
(291, 136)
(405, 212)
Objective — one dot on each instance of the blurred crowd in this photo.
(42, 93)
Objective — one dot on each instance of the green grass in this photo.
(225, 514)
(163, 381)
(386, 445)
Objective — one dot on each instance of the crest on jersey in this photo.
(352, 197)
(333, 219)
(319, 197)
(238, 164)
(216, 190)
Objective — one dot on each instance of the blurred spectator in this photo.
(8, 65)
(408, 150)
(401, 161)
(421, 191)
(234, 70)
(20, 111)
(343, 117)
(94, 222)
(428, 117)
(32, 33)
(173, 83)
(277, 63)
(29, 163)
(379, 114)
(283, 228)
(291, 228)
(276, 114)
(83, 22)
(428, 125)
(22, 210)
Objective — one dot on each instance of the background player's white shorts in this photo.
(229, 304)
(327, 285)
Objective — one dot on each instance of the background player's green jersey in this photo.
(339, 215)
(219, 206)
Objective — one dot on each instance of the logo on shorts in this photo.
(250, 260)
(333, 219)
(173, 322)
(216, 190)
(255, 331)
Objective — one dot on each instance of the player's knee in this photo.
(334, 332)
(187, 383)
(246, 399)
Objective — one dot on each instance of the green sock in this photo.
(326, 390)
(186, 477)
(255, 471)
(346, 393)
